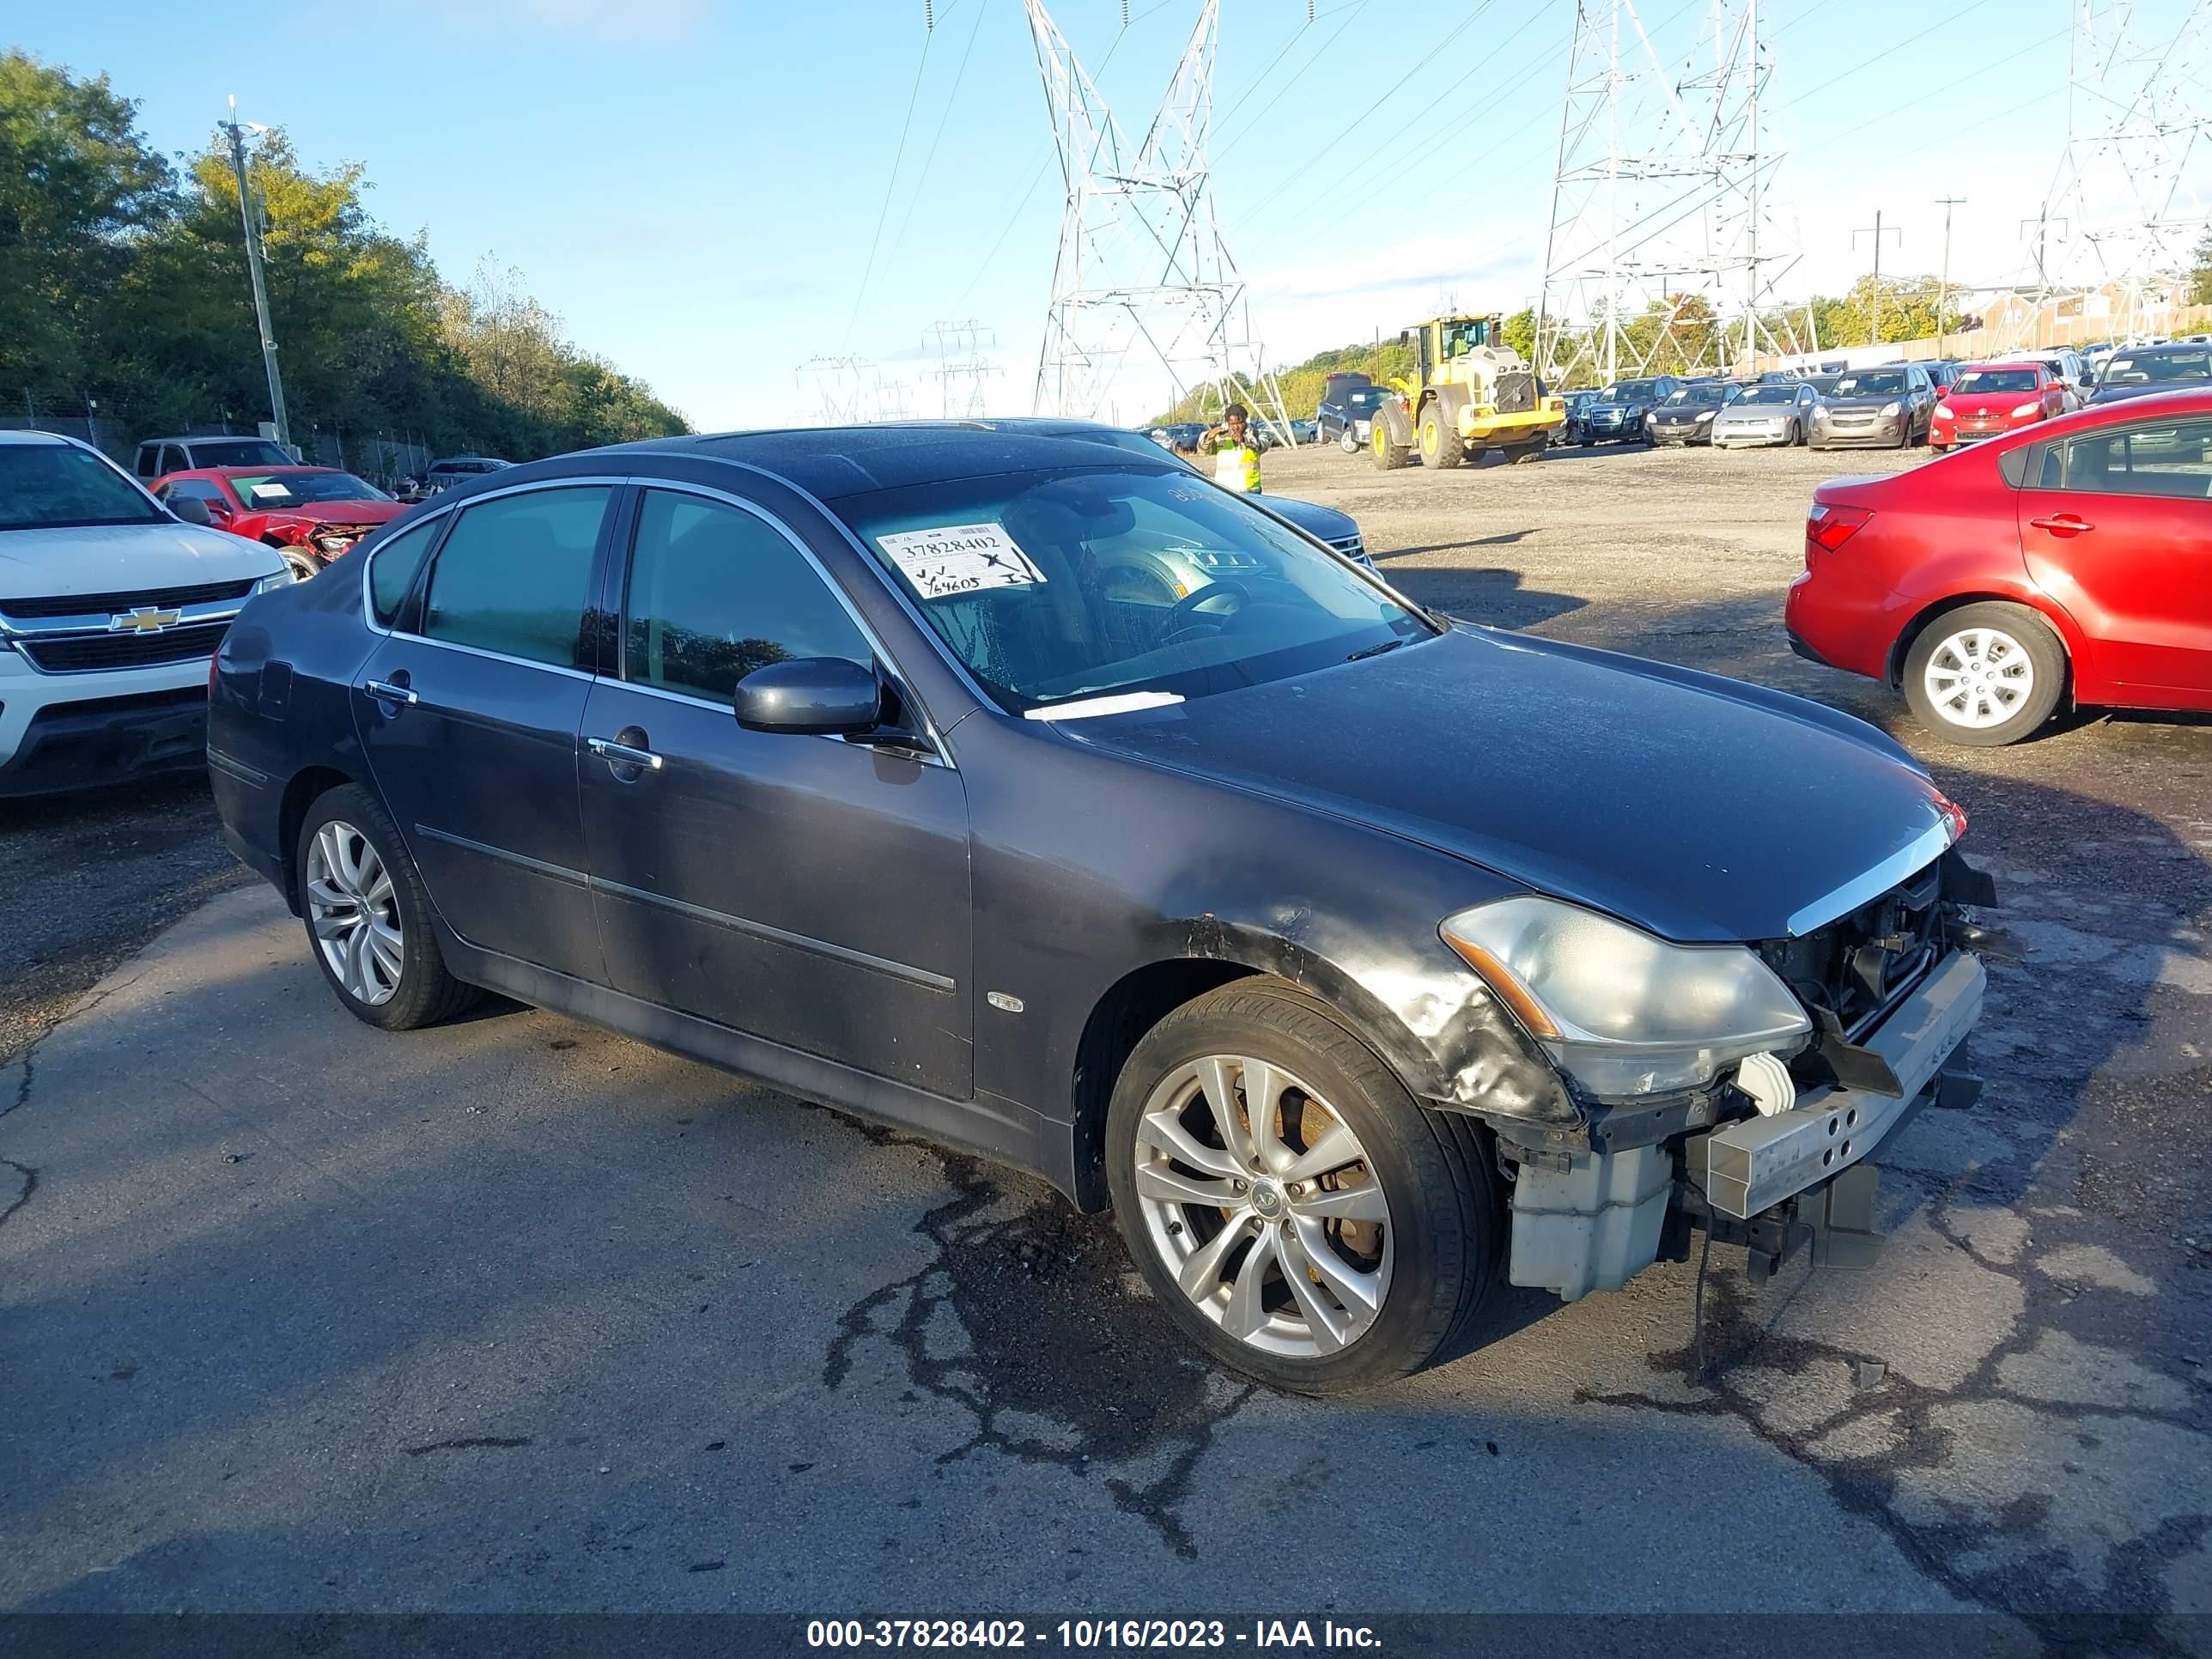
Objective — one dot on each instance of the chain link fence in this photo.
(382, 457)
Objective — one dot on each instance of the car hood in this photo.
(1313, 518)
(1990, 403)
(336, 512)
(1687, 412)
(1755, 411)
(1697, 808)
(120, 558)
(2120, 394)
(1861, 403)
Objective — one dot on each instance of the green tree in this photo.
(2200, 271)
(79, 186)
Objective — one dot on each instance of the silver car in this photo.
(1892, 406)
(1780, 412)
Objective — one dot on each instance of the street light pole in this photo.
(253, 271)
(1943, 283)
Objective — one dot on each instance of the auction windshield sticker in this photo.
(959, 558)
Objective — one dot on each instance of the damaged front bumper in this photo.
(1595, 1202)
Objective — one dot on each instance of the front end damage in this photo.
(1773, 1152)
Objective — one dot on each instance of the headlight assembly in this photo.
(1707, 416)
(1891, 412)
(1621, 1011)
(283, 578)
(2025, 410)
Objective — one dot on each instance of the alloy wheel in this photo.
(1978, 677)
(354, 910)
(1264, 1206)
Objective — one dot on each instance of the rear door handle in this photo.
(622, 754)
(2062, 523)
(391, 693)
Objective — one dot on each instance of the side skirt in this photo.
(1002, 1131)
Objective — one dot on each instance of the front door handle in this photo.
(623, 754)
(386, 690)
(2062, 523)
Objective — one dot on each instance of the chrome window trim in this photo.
(943, 757)
(1922, 851)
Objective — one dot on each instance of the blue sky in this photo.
(694, 186)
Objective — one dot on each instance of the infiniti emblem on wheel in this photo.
(1266, 1198)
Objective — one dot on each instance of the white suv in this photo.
(110, 608)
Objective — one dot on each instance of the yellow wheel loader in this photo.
(1470, 392)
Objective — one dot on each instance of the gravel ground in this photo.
(516, 1314)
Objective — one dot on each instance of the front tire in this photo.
(1985, 675)
(1331, 1238)
(1388, 456)
(1348, 441)
(368, 916)
(1441, 444)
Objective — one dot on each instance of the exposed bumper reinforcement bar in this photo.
(1753, 1165)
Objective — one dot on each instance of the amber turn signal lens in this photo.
(1509, 990)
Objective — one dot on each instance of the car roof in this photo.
(830, 462)
(12, 436)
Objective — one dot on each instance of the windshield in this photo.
(1823, 385)
(293, 489)
(1995, 379)
(1366, 396)
(237, 452)
(2157, 369)
(1632, 392)
(54, 486)
(1889, 385)
(1061, 586)
(1697, 394)
(1770, 394)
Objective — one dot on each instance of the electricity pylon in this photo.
(1145, 297)
(2128, 197)
(1665, 248)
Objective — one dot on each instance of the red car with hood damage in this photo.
(310, 515)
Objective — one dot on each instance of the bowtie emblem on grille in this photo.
(143, 619)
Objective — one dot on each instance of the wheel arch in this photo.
(2070, 637)
(1220, 954)
(306, 787)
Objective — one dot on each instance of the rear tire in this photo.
(365, 905)
(1406, 1209)
(1441, 444)
(1985, 675)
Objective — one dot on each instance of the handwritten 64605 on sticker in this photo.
(959, 558)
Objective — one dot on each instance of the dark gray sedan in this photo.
(1892, 407)
(1356, 958)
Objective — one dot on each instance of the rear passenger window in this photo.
(514, 576)
(391, 569)
(2173, 459)
(715, 593)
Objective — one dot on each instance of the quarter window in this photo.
(391, 569)
(2171, 458)
(715, 593)
(514, 576)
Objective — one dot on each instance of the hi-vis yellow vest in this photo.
(1236, 466)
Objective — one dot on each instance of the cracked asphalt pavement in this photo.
(515, 1315)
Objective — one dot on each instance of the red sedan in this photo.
(1989, 400)
(309, 513)
(2065, 563)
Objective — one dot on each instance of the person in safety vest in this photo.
(1235, 453)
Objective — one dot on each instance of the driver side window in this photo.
(716, 591)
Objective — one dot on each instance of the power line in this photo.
(1868, 63)
(1252, 124)
(914, 195)
(891, 185)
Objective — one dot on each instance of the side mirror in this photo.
(820, 695)
(192, 509)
